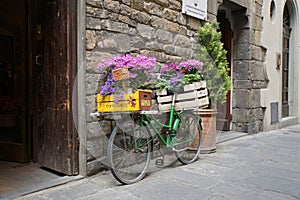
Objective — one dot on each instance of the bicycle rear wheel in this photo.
(188, 138)
(129, 152)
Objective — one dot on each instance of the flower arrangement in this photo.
(177, 75)
(141, 74)
(140, 68)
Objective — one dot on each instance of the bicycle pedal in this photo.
(159, 162)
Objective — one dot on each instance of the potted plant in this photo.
(215, 71)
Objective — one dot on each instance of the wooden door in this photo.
(285, 63)
(14, 142)
(224, 112)
(55, 73)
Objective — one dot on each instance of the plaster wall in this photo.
(272, 40)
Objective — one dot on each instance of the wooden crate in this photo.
(139, 100)
(194, 96)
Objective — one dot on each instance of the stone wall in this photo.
(153, 27)
(158, 28)
(249, 73)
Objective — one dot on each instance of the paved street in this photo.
(260, 166)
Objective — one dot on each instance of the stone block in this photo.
(257, 71)
(91, 40)
(193, 23)
(97, 129)
(146, 31)
(154, 46)
(110, 44)
(137, 42)
(125, 10)
(183, 52)
(258, 9)
(163, 3)
(255, 96)
(113, 6)
(114, 26)
(241, 70)
(212, 7)
(94, 167)
(175, 5)
(159, 23)
(211, 17)
(173, 27)
(240, 115)
(164, 36)
(244, 36)
(254, 127)
(93, 58)
(257, 53)
(242, 84)
(260, 2)
(239, 127)
(93, 23)
(170, 14)
(137, 4)
(154, 9)
(241, 98)
(126, 2)
(169, 49)
(92, 81)
(123, 41)
(243, 52)
(127, 20)
(182, 41)
(140, 17)
(255, 37)
(181, 19)
(257, 114)
(259, 84)
(94, 3)
(183, 30)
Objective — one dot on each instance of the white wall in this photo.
(272, 40)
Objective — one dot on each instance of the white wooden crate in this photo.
(194, 96)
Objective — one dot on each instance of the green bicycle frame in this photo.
(171, 126)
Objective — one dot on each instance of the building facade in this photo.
(52, 48)
(160, 29)
(280, 37)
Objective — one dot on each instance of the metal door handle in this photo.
(38, 60)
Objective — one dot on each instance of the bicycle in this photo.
(130, 146)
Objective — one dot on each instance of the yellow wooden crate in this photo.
(139, 100)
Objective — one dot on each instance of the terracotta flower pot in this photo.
(208, 117)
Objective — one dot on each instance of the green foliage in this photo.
(215, 65)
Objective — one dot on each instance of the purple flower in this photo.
(174, 80)
(190, 65)
(141, 68)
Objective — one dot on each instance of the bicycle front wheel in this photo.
(188, 138)
(129, 152)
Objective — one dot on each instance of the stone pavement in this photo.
(261, 166)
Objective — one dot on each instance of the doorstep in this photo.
(38, 187)
(224, 136)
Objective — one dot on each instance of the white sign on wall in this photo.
(195, 8)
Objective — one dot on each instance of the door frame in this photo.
(224, 116)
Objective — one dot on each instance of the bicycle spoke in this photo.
(129, 153)
(188, 139)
